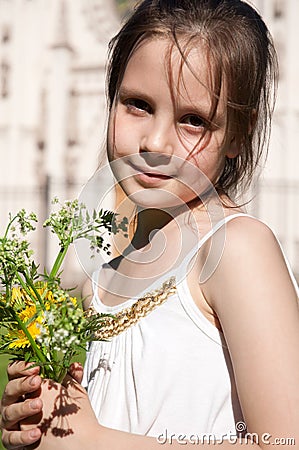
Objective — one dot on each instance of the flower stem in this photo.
(60, 377)
(35, 348)
(8, 227)
(59, 260)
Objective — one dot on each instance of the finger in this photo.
(18, 387)
(16, 412)
(76, 372)
(18, 439)
(18, 369)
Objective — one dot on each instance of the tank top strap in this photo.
(207, 236)
(186, 261)
(220, 224)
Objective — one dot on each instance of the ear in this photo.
(232, 149)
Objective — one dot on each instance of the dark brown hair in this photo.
(241, 52)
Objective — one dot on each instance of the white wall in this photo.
(277, 201)
(52, 101)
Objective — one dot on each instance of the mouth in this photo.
(157, 176)
(150, 174)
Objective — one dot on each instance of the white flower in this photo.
(49, 317)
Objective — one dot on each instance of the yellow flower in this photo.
(18, 337)
(74, 301)
(19, 297)
(26, 309)
(45, 294)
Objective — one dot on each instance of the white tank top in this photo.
(169, 370)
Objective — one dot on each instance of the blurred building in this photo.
(277, 191)
(52, 101)
(52, 108)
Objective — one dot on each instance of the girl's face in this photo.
(156, 126)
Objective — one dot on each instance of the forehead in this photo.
(186, 72)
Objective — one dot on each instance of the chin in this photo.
(156, 199)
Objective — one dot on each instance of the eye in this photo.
(194, 121)
(136, 104)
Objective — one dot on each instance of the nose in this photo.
(158, 139)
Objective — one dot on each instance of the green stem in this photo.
(32, 286)
(59, 260)
(7, 287)
(35, 348)
(8, 227)
(61, 375)
(86, 231)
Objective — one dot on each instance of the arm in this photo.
(68, 422)
(257, 305)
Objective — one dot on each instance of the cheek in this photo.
(116, 138)
(121, 141)
(209, 162)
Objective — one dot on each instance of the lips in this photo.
(149, 177)
(156, 175)
(146, 171)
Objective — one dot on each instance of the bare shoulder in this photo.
(246, 233)
(251, 262)
(251, 239)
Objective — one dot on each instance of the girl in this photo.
(204, 345)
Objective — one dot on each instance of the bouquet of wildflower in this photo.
(40, 321)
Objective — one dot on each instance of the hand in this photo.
(14, 407)
(68, 420)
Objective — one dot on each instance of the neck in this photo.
(151, 220)
(148, 221)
